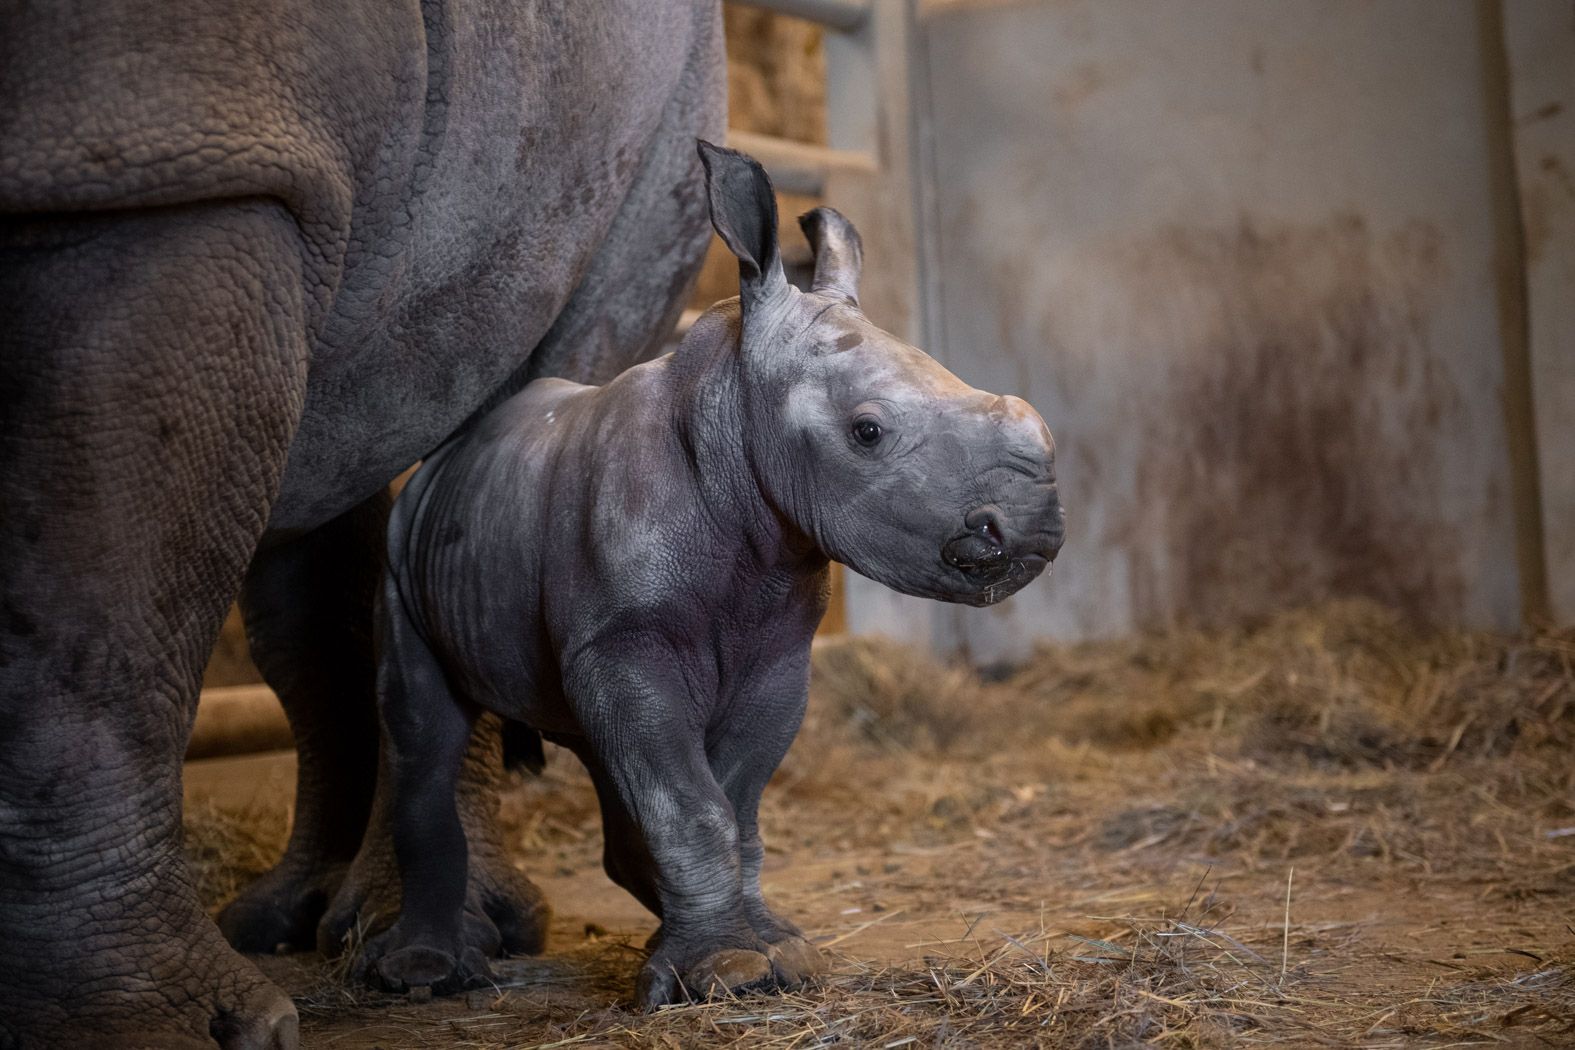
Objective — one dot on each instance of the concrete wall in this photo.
(1242, 257)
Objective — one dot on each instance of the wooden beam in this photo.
(238, 720)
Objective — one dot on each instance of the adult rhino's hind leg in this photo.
(498, 892)
(308, 610)
(153, 372)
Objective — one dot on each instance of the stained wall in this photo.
(1246, 259)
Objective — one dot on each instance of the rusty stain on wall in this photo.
(1290, 455)
(1549, 189)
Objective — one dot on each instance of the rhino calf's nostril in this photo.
(986, 521)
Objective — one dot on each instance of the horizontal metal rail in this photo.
(797, 167)
(845, 15)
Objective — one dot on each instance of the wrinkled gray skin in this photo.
(255, 259)
(636, 571)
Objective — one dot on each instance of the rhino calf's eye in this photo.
(866, 432)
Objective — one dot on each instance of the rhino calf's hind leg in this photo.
(426, 732)
(308, 610)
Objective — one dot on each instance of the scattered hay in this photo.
(226, 850)
(1349, 684)
(1166, 981)
(1540, 1002)
(1403, 765)
(892, 696)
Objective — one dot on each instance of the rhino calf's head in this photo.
(886, 460)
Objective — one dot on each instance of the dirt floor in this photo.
(1331, 830)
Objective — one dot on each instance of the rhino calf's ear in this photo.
(744, 212)
(839, 253)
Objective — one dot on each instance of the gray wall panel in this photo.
(1240, 255)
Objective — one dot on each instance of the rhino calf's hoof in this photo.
(725, 972)
(795, 961)
(421, 966)
(729, 970)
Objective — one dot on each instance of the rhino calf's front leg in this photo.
(744, 752)
(645, 742)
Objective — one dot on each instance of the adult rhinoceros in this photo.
(255, 259)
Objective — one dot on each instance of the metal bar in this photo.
(846, 15)
(1514, 319)
(798, 167)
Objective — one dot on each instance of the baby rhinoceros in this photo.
(636, 571)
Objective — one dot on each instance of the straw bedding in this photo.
(1331, 829)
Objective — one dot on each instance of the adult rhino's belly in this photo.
(375, 406)
(442, 301)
